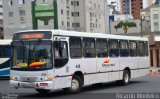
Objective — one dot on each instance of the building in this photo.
(126, 6)
(134, 7)
(1, 20)
(76, 15)
(147, 3)
(154, 36)
(152, 17)
(115, 3)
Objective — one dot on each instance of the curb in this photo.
(154, 72)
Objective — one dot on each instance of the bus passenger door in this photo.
(60, 62)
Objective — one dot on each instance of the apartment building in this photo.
(1, 20)
(115, 3)
(151, 15)
(147, 3)
(74, 15)
(126, 6)
(134, 7)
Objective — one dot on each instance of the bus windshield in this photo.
(32, 55)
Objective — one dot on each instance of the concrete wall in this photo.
(131, 31)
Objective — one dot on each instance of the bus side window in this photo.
(141, 49)
(75, 47)
(113, 48)
(124, 48)
(89, 50)
(146, 48)
(133, 48)
(60, 53)
(5, 51)
(102, 48)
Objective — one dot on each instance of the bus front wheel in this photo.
(76, 85)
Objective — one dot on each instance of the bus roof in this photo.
(5, 42)
(87, 34)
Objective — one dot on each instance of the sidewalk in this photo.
(154, 71)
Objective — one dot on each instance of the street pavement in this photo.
(147, 84)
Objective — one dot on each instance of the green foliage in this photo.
(125, 25)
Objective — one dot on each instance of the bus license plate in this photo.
(27, 85)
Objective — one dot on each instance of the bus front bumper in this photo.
(36, 85)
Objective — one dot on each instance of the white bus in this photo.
(55, 59)
(5, 54)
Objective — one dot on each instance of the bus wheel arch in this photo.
(80, 74)
(76, 83)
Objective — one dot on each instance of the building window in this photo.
(68, 24)
(23, 26)
(75, 14)
(156, 26)
(10, 2)
(44, 0)
(155, 16)
(67, 13)
(67, 2)
(62, 23)
(10, 14)
(22, 13)
(75, 3)
(75, 24)
(21, 2)
(46, 22)
(61, 11)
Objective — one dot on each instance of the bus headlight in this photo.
(50, 78)
(13, 78)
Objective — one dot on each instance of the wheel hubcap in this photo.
(126, 78)
(74, 85)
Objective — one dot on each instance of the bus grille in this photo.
(28, 79)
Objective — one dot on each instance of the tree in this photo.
(125, 25)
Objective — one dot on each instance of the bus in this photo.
(5, 54)
(56, 59)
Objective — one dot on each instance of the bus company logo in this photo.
(107, 63)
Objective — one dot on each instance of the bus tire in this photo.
(126, 77)
(76, 85)
(44, 91)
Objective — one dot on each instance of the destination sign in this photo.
(32, 35)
